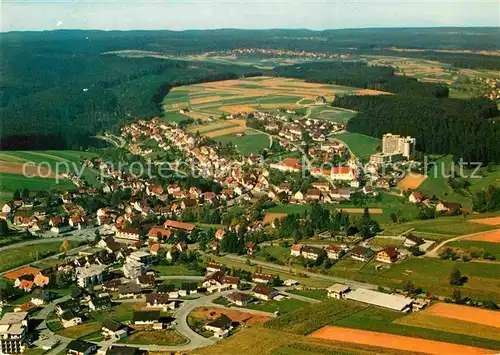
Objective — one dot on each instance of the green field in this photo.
(157, 337)
(316, 294)
(362, 146)
(332, 114)
(432, 275)
(284, 306)
(12, 258)
(179, 269)
(58, 162)
(250, 143)
(473, 246)
(174, 117)
(123, 312)
(308, 319)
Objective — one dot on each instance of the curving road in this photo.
(434, 252)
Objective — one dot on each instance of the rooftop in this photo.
(397, 303)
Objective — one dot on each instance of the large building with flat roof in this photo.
(394, 302)
(13, 329)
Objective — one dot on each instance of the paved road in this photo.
(313, 275)
(434, 252)
(78, 237)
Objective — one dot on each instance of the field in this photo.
(331, 113)
(234, 315)
(464, 313)
(477, 247)
(255, 340)
(43, 168)
(394, 341)
(12, 258)
(381, 242)
(411, 181)
(425, 320)
(284, 306)
(360, 145)
(490, 221)
(316, 294)
(251, 143)
(80, 330)
(314, 316)
(430, 274)
(157, 337)
(491, 236)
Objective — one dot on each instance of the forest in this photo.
(360, 75)
(59, 87)
(448, 126)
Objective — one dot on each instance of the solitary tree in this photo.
(456, 277)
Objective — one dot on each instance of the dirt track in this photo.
(395, 341)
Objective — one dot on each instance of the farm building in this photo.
(394, 302)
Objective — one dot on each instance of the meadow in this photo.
(250, 143)
(12, 258)
(360, 145)
(50, 163)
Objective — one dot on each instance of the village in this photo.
(149, 224)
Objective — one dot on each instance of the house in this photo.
(159, 234)
(313, 194)
(18, 273)
(69, 319)
(146, 280)
(413, 240)
(416, 197)
(100, 303)
(291, 165)
(217, 282)
(160, 300)
(13, 330)
(187, 227)
(90, 275)
(219, 234)
(122, 350)
(39, 297)
(361, 253)
(128, 233)
(146, 317)
(448, 207)
(129, 290)
(220, 326)
(250, 248)
(264, 292)
(7, 208)
(213, 267)
(111, 285)
(388, 255)
(239, 298)
(70, 305)
(334, 252)
(337, 291)
(310, 252)
(155, 248)
(80, 347)
(114, 329)
(262, 278)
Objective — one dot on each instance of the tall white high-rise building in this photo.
(396, 144)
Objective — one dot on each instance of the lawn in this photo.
(80, 330)
(12, 258)
(250, 143)
(121, 313)
(316, 294)
(308, 319)
(156, 337)
(362, 146)
(178, 269)
(279, 252)
(174, 117)
(332, 114)
(283, 306)
(382, 320)
(381, 242)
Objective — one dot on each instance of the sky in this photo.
(255, 14)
